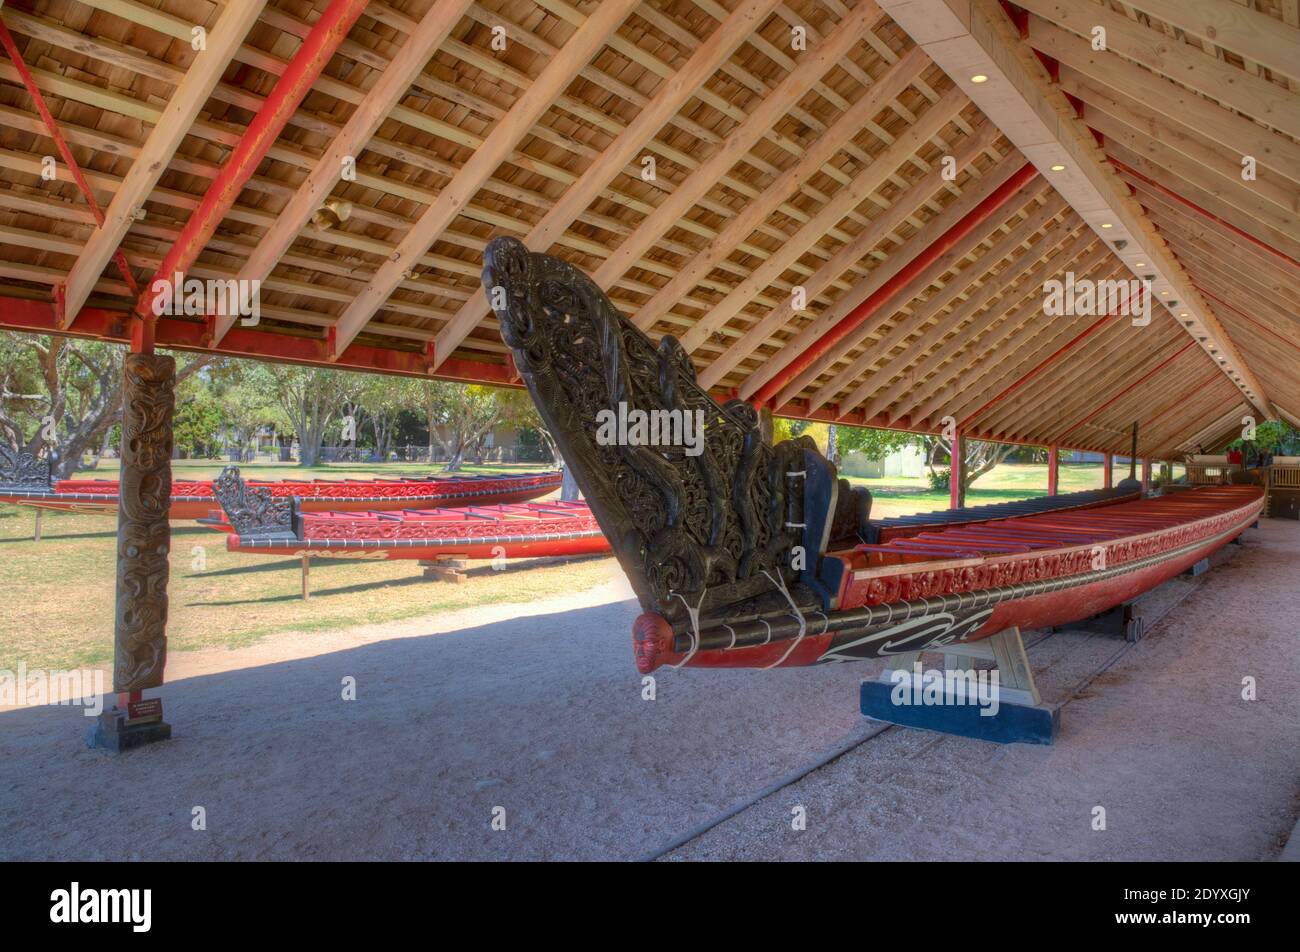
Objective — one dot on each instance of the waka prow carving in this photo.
(706, 518)
(23, 471)
(253, 511)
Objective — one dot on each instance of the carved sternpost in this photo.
(143, 530)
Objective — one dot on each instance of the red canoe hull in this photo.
(194, 499)
(514, 531)
(918, 600)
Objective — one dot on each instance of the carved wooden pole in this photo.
(143, 542)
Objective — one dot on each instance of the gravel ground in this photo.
(543, 716)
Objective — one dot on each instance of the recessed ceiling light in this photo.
(1165, 293)
(1182, 313)
(1141, 264)
(979, 78)
(1058, 168)
(1107, 224)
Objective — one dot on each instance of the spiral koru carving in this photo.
(253, 511)
(699, 529)
(143, 529)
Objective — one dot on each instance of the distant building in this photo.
(906, 462)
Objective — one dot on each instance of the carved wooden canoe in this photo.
(267, 525)
(192, 499)
(748, 554)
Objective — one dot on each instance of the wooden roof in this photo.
(841, 166)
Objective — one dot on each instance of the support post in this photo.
(1146, 474)
(942, 700)
(956, 472)
(306, 576)
(36, 534)
(1053, 469)
(1107, 477)
(143, 542)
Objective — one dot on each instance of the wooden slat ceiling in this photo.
(820, 168)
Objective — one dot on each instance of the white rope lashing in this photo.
(803, 622)
(694, 614)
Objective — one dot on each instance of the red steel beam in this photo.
(39, 317)
(1053, 469)
(29, 82)
(860, 314)
(290, 88)
(1204, 213)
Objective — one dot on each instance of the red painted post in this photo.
(312, 56)
(956, 495)
(1053, 469)
(856, 317)
(1146, 474)
(1110, 465)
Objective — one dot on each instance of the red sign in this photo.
(139, 712)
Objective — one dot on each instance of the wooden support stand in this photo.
(306, 576)
(36, 534)
(1017, 714)
(1200, 568)
(1121, 620)
(445, 569)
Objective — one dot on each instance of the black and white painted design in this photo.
(914, 634)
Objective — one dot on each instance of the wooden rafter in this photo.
(528, 108)
(978, 35)
(173, 124)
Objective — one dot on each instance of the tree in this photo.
(310, 397)
(383, 398)
(244, 398)
(67, 394)
(198, 418)
(979, 458)
(466, 411)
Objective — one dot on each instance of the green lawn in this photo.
(58, 605)
(902, 496)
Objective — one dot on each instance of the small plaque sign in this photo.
(144, 711)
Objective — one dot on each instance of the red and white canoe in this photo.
(519, 531)
(927, 584)
(193, 499)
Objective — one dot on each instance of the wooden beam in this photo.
(738, 229)
(842, 202)
(1160, 53)
(532, 103)
(864, 366)
(961, 213)
(356, 133)
(969, 37)
(846, 34)
(932, 275)
(904, 207)
(172, 126)
(1252, 35)
(733, 31)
